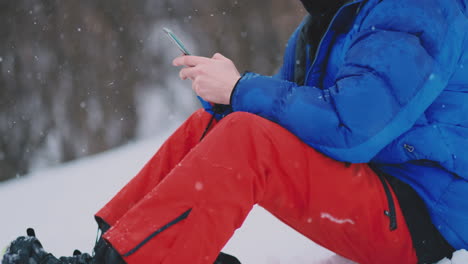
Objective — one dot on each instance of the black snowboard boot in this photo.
(224, 258)
(104, 253)
(28, 250)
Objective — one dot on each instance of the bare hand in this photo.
(212, 78)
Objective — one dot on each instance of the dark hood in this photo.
(322, 7)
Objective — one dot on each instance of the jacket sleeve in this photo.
(399, 62)
(217, 110)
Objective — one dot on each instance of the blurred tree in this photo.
(71, 71)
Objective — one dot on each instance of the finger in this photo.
(196, 85)
(219, 56)
(189, 72)
(190, 61)
(200, 86)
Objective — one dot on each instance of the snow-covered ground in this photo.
(60, 202)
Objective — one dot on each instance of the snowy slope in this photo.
(59, 203)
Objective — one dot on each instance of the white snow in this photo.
(198, 186)
(60, 203)
(459, 257)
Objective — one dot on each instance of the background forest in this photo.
(81, 77)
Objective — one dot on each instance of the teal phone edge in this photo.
(176, 41)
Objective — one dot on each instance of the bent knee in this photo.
(244, 118)
(200, 114)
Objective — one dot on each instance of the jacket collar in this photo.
(326, 7)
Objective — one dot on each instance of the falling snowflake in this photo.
(198, 186)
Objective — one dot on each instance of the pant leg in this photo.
(166, 158)
(245, 160)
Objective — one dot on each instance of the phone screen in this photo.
(176, 41)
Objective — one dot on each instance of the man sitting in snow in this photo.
(359, 143)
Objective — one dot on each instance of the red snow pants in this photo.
(188, 200)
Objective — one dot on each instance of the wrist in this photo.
(235, 86)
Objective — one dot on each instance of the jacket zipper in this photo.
(323, 36)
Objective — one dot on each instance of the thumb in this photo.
(219, 56)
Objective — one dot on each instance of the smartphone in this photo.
(176, 41)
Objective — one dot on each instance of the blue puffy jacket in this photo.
(392, 90)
